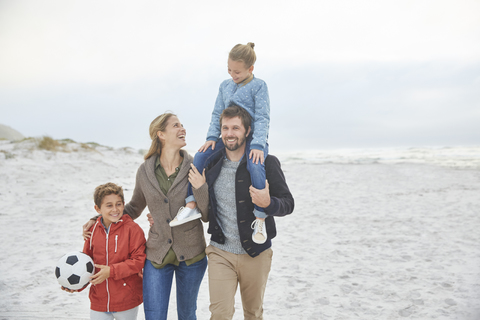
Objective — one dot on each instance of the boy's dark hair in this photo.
(105, 190)
(236, 111)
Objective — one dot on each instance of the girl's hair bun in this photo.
(245, 53)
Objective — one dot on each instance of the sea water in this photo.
(458, 157)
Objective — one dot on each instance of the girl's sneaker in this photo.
(259, 231)
(185, 215)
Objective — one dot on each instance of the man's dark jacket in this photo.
(281, 204)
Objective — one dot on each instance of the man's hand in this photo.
(101, 275)
(260, 197)
(86, 227)
(256, 155)
(206, 145)
(195, 178)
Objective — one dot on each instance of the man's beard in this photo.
(238, 144)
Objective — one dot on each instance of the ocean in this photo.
(456, 157)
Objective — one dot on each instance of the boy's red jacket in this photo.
(124, 248)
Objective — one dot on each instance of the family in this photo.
(232, 184)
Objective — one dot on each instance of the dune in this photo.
(9, 133)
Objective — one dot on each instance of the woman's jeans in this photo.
(257, 171)
(157, 284)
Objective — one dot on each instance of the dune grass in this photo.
(50, 144)
(66, 145)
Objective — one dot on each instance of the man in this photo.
(234, 258)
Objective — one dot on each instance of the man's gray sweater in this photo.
(224, 188)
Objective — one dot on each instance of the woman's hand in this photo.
(86, 227)
(256, 155)
(195, 178)
(150, 219)
(101, 275)
(206, 145)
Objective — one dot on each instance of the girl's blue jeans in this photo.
(157, 284)
(257, 171)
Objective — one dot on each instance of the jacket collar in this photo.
(150, 170)
(99, 224)
(224, 156)
(246, 81)
(125, 217)
(215, 165)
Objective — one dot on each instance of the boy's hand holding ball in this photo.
(101, 275)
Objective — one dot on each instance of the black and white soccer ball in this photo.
(74, 270)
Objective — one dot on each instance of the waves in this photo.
(457, 157)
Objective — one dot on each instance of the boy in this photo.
(117, 247)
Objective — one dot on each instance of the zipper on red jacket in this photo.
(106, 248)
(108, 292)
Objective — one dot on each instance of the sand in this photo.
(367, 240)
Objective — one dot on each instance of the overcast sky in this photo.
(341, 74)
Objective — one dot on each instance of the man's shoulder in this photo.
(215, 159)
(271, 160)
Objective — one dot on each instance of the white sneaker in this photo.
(259, 231)
(184, 215)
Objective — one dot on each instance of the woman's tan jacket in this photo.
(186, 240)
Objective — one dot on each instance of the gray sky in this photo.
(341, 74)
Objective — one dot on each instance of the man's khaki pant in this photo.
(225, 271)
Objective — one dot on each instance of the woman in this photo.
(161, 185)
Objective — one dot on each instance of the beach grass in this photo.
(63, 145)
(50, 144)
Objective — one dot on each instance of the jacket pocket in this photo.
(131, 289)
(195, 235)
(153, 238)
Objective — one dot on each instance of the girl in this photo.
(250, 93)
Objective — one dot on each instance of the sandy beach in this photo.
(372, 236)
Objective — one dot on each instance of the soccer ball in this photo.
(74, 270)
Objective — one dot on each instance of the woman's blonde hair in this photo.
(245, 53)
(158, 124)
